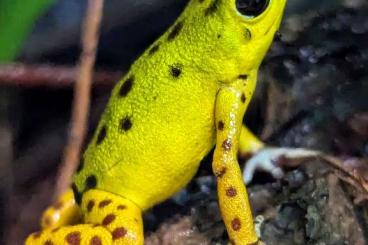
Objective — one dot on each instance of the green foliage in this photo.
(17, 18)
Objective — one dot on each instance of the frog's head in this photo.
(259, 21)
(223, 38)
(235, 34)
(254, 23)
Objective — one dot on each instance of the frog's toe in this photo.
(264, 160)
(62, 213)
(272, 159)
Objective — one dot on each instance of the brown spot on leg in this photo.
(90, 205)
(47, 220)
(236, 224)
(221, 173)
(121, 207)
(96, 241)
(58, 205)
(37, 235)
(108, 219)
(220, 125)
(48, 242)
(226, 145)
(73, 238)
(231, 192)
(55, 230)
(119, 233)
(104, 203)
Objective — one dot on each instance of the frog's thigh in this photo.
(232, 194)
(108, 218)
(120, 216)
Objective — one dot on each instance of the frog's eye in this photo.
(251, 8)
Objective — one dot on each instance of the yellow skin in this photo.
(185, 94)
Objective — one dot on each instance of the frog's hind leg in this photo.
(108, 219)
(120, 216)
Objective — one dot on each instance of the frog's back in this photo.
(158, 124)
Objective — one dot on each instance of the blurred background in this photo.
(312, 93)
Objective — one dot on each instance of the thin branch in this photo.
(48, 75)
(81, 95)
(352, 170)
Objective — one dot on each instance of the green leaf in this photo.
(17, 18)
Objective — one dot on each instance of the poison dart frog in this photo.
(185, 94)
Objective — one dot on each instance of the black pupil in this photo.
(251, 8)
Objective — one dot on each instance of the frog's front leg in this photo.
(107, 219)
(231, 103)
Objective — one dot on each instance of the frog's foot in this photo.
(271, 159)
(108, 218)
(63, 212)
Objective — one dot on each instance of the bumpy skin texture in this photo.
(185, 94)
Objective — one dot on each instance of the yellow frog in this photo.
(187, 93)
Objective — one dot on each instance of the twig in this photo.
(48, 75)
(351, 170)
(81, 95)
(354, 175)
